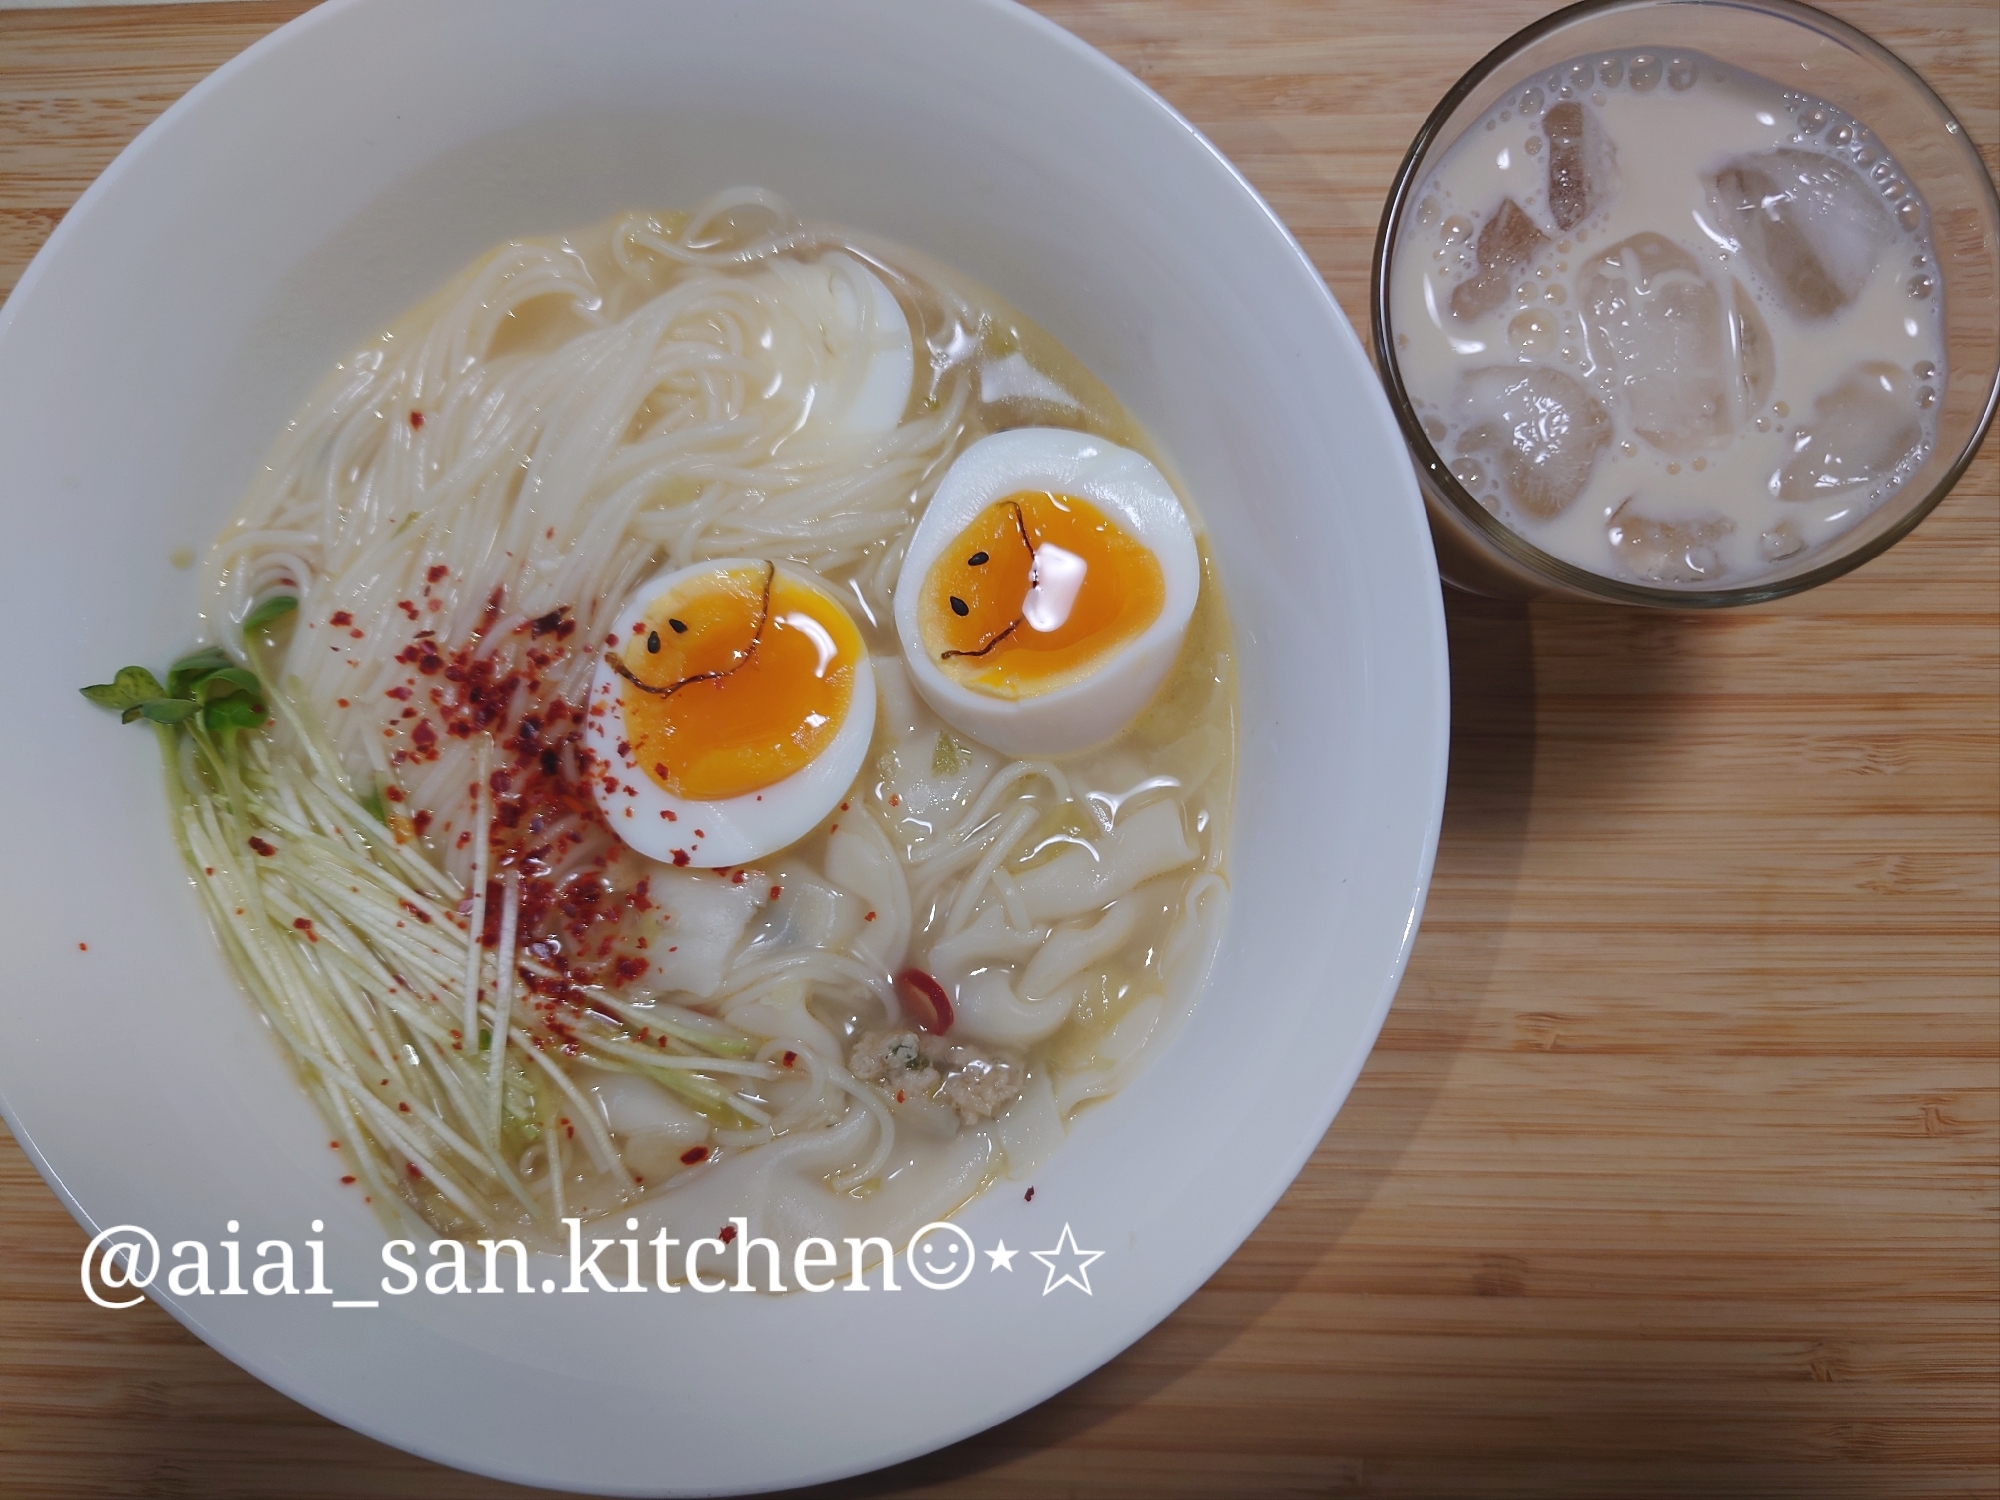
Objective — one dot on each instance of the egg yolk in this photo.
(735, 680)
(1035, 594)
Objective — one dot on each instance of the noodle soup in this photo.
(478, 774)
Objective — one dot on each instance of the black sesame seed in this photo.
(679, 628)
(977, 560)
(653, 640)
(959, 607)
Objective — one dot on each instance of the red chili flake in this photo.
(416, 419)
(728, 1234)
(680, 858)
(869, 918)
(342, 617)
(436, 572)
(334, 1144)
(355, 632)
(1029, 1196)
(790, 1058)
(843, 807)
(404, 1108)
(342, 702)
(347, 1182)
(895, 801)
(261, 847)
(392, 794)
(208, 869)
(85, 947)
(416, 911)
(304, 924)
(775, 891)
(899, 1096)
(694, 1154)
(415, 1172)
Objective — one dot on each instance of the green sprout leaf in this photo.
(131, 687)
(229, 680)
(270, 611)
(190, 669)
(239, 711)
(208, 683)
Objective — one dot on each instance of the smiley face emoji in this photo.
(940, 1256)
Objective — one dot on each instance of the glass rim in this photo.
(1518, 548)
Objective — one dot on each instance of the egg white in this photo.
(1137, 498)
(861, 353)
(731, 830)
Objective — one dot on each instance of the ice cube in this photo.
(1780, 542)
(1681, 550)
(1540, 425)
(1812, 228)
(1863, 429)
(1690, 363)
(1580, 163)
(1509, 239)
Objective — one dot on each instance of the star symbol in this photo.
(1064, 1252)
(1001, 1256)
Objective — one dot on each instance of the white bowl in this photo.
(330, 177)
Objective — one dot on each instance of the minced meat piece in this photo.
(898, 1060)
(980, 1086)
(912, 1062)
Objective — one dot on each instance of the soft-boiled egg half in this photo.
(1046, 591)
(730, 711)
(845, 346)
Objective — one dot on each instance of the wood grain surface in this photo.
(1677, 1168)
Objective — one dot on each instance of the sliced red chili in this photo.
(925, 1000)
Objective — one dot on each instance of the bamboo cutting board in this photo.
(1677, 1168)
